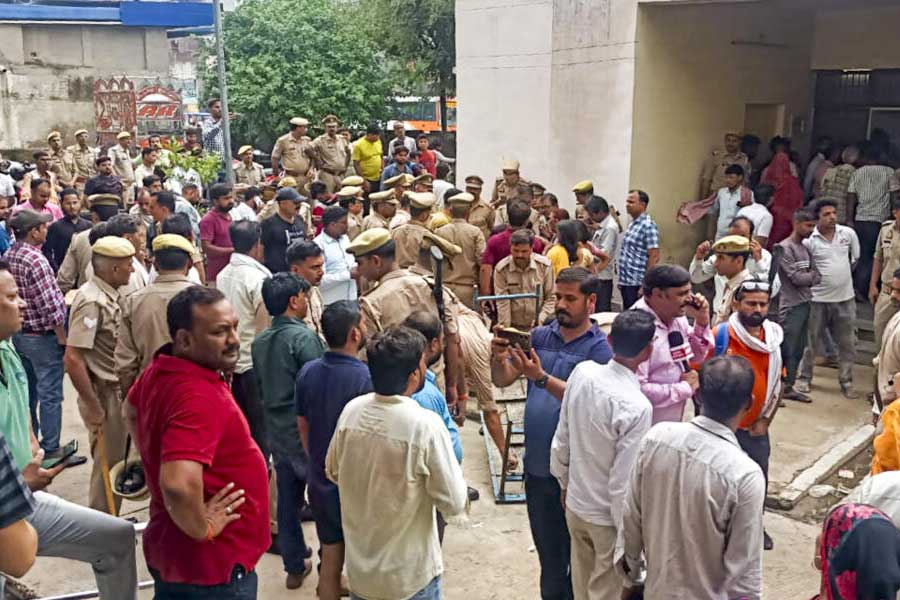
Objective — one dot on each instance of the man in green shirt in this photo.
(279, 353)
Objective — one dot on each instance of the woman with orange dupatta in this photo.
(788, 197)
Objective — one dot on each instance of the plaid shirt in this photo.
(214, 137)
(642, 235)
(45, 307)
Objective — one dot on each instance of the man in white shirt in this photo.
(728, 199)
(241, 281)
(758, 212)
(603, 419)
(7, 185)
(339, 281)
(695, 498)
(835, 251)
(606, 238)
(440, 186)
(389, 452)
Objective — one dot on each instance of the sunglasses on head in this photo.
(755, 285)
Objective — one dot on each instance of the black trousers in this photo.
(630, 295)
(243, 387)
(757, 448)
(867, 231)
(551, 536)
(795, 322)
(604, 295)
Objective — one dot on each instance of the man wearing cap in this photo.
(331, 154)
(399, 165)
(282, 229)
(732, 253)
(248, 172)
(583, 191)
(712, 177)
(511, 186)
(41, 171)
(462, 275)
(408, 237)
(384, 206)
(120, 154)
(423, 183)
(402, 215)
(143, 329)
(367, 152)
(59, 160)
(81, 160)
(293, 152)
(104, 182)
(90, 360)
(481, 215)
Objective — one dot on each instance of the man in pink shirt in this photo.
(40, 200)
(666, 378)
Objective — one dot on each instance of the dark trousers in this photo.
(374, 185)
(551, 536)
(630, 295)
(243, 387)
(604, 295)
(290, 475)
(795, 322)
(241, 587)
(867, 231)
(757, 448)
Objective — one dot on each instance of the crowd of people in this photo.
(304, 345)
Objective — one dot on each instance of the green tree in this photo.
(309, 58)
(421, 36)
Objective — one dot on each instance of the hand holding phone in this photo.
(68, 450)
(522, 339)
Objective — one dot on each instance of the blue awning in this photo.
(130, 13)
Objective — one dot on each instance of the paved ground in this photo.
(493, 557)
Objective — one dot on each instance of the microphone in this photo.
(680, 351)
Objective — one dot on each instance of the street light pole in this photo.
(223, 91)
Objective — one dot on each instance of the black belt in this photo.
(27, 331)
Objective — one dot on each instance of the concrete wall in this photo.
(863, 38)
(692, 84)
(48, 72)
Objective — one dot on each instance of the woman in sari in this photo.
(788, 197)
(858, 553)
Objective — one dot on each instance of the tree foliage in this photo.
(308, 58)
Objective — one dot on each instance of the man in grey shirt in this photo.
(606, 238)
(798, 275)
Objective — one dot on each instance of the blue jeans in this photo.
(432, 591)
(46, 358)
(241, 587)
(290, 474)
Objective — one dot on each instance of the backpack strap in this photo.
(722, 338)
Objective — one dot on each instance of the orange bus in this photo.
(421, 113)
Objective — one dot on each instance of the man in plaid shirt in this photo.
(41, 342)
(640, 248)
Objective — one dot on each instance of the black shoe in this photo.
(306, 513)
(473, 494)
(273, 547)
(768, 544)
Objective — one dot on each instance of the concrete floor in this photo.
(493, 556)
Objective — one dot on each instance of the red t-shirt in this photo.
(186, 412)
(498, 247)
(214, 229)
(428, 160)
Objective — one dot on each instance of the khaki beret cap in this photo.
(349, 191)
(583, 187)
(113, 246)
(53, 134)
(172, 241)
(510, 165)
(421, 199)
(462, 198)
(245, 149)
(447, 247)
(352, 180)
(299, 121)
(369, 241)
(732, 244)
(80, 131)
(122, 135)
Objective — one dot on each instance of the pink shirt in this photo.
(49, 209)
(660, 376)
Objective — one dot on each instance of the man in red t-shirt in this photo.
(209, 490)
(214, 236)
(497, 247)
(427, 158)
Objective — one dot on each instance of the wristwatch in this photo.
(541, 382)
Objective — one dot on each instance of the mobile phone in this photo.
(522, 339)
(692, 301)
(67, 451)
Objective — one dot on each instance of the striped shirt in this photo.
(16, 501)
(873, 185)
(641, 237)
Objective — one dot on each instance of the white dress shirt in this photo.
(603, 419)
(241, 281)
(834, 260)
(704, 270)
(761, 218)
(726, 207)
(243, 212)
(694, 507)
(336, 284)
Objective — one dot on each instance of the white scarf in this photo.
(772, 346)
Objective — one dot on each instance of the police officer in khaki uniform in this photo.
(331, 153)
(462, 275)
(122, 165)
(293, 151)
(713, 176)
(94, 323)
(144, 328)
(423, 183)
(408, 237)
(384, 206)
(248, 172)
(81, 160)
(886, 261)
(511, 186)
(481, 215)
(583, 191)
(520, 273)
(399, 184)
(59, 160)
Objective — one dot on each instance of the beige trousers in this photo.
(114, 434)
(332, 181)
(884, 310)
(594, 575)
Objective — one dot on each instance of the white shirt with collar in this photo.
(607, 239)
(336, 284)
(704, 270)
(241, 281)
(761, 218)
(834, 260)
(603, 419)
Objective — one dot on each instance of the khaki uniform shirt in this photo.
(465, 266)
(398, 294)
(887, 250)
(314, 308)
(503, 193)
(713, 176)
(59, 164)
(375, 220)
(293, 154)
(332, 154)
(534, 219)
(73, 270)
(888, 360)
(122, 165)
(305, 215)
(252, 175)
(482, 216)
(408, 240)
(401, 217)
(722, 308)
(81, 162)
(510, 279)
(26, 185)
(354, 225)
(144, 328)
(94, 323)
